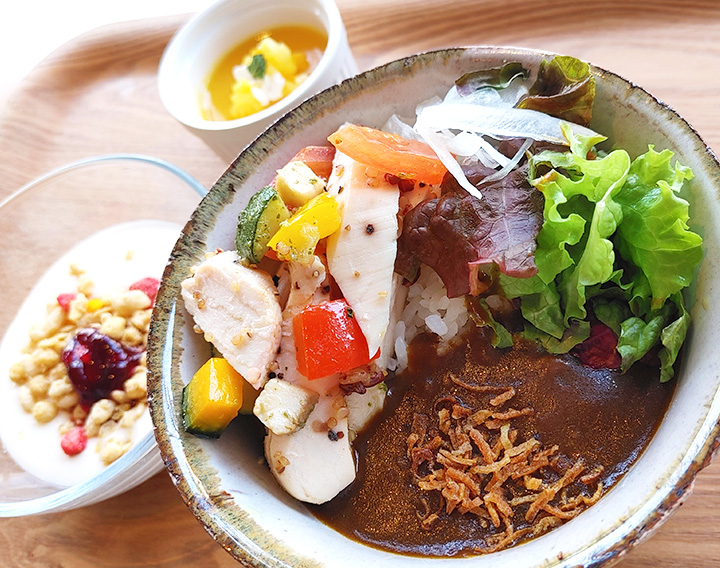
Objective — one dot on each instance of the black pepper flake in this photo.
(350, 313)
(297, 285)
(280, 375)
(276, 279)
(369, 229)
(326, 289)
(333, 435)
(271, 375)
(340, 189)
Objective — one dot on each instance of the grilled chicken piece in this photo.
(361, 254)
(237, 309)
(315, 463)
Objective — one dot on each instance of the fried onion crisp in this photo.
(474, 462)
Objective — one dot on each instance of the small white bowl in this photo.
(207, 37)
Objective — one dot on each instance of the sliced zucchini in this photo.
(212, 398)
(258, 222)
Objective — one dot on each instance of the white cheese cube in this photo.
(284, 407)
(362, 408)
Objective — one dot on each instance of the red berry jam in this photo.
(98, 364)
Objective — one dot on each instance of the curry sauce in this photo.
(600, 418)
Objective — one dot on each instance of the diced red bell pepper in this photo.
(147, 285)
(328, 340)
(64, 300)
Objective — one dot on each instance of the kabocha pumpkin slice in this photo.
(213, 397)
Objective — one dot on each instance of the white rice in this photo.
(428, 309)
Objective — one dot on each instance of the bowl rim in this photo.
(146, 448)
(603, 551)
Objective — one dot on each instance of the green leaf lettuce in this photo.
(615, 247)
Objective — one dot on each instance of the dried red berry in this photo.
(74, 441)
(97, 364)
(147, 285)
(64, 300)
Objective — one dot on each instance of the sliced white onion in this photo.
(465, 144)
(510, 166)
(507, 97)
(396, 125)
(435, 141)
(497, 122)
(458, 125)
(489, 150)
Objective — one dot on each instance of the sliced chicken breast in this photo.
(361, 254)
(237, 309)
(315, 463)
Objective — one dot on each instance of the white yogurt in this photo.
(113, 258)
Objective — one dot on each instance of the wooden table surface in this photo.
(98, 95)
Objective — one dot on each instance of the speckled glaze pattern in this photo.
(225, 482)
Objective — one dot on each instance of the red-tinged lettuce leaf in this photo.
(457, 233)
(599, 351)
(564, 89)
(495, 78)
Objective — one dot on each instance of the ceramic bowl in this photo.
(226, 483)
(206, 38)
(42, 223)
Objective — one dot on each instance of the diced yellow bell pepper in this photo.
(212, 398)
(298, 236)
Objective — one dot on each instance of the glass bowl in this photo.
(42, 223)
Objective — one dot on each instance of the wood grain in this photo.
(98, 95)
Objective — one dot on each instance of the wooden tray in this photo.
(98, 95)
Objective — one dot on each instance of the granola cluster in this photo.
(45, 388)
